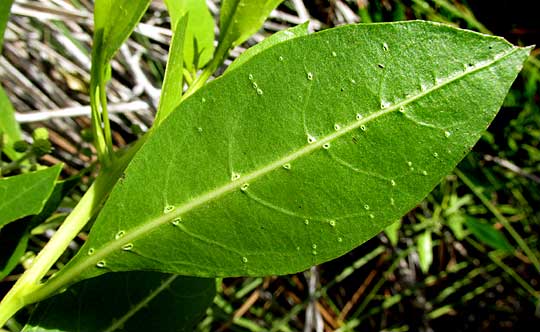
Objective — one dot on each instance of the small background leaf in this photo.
(114, 21)
(5, 7)
(129, 302)
(26, 194)
(198, 46)
(487, 234)
(276, 38)
(392, 232)
(171, 91)
(239, 19)
(455, 216)
(425, 250)
(8, 126)
(14, 237)
(455, 223)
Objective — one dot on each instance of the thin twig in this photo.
(140, 78)
(512, 167)
(314, 321)
(46, 12)
(346, 11)
(43, 115)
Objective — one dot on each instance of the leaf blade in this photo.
(241, 18)
(171, 92)
(425, 250)
(488, 235)
(114, 20)
(276, 38)
(19, 246)
(9, 128)
(133, 301)
(5, 8)
(199, 31)
(238, 20)
(26, 194)
(291, 180)
(8, 125)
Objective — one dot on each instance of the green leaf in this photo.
(9, 128)
(199, 36)
(171, 92)
(280, 165)
(114, 20)
(130, 302)
(425, 250)
(276, 38)
(5, 8)
(14, 238)
(392, 232)
(26, 194)
(455, 223)
(20, 241)
(488, 235)
(238, 20)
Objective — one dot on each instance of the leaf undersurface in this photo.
(307, 150)
(129, 302)
(26, 194)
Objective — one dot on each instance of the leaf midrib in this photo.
(119, 322)
(152, 224)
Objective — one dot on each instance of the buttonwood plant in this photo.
(307, 146)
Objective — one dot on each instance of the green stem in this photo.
(13, 326)
(187, 76)
(506, 224)
(106, 122)
(15, 164)
(495, 257)
(98, 103)
(30, 282)
(219, 57)
(381, 282)
(97, 130)
(198, 82)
